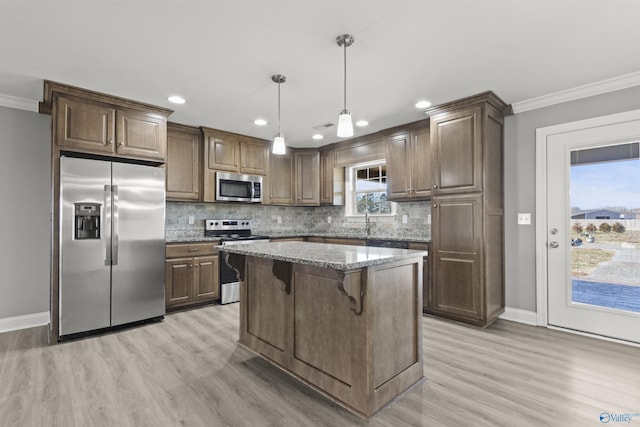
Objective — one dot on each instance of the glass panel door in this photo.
(605, 227)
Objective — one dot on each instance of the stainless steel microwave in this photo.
(235, 187)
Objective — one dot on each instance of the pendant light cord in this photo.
(345, 75)
(278, 108)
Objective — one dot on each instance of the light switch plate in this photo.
(328, 220)
(279, 219)
(405, 218)
(192, 219)
(524, 219)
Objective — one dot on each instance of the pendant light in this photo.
(345, 126)
(278, 140)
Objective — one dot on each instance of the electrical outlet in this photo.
(405, 219)
(429, 219)
(328, 220)
(192, 219)
(279, 219)
(524, 219)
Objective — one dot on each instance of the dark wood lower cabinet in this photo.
(466, 284)
(191, 280)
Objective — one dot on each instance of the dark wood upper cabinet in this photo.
(409, 164)
(327, 162)
(457, 151)
(280, 189)
(253, 157)
(307, 177)
(95, 123)
(184, 147)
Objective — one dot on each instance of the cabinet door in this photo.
(281, 173)
(421, 175)
(85, 125)
(307, 178)
(141, 135)
(178, 281)
(253, 157)
(457, 241)
(206, 284)
(326, 177)
(456, 147)
(398, 171)
(224, 153)
(183, 165)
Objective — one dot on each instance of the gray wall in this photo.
(25, 199)
(520, 186)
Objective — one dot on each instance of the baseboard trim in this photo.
(520, 316)
(24, 322)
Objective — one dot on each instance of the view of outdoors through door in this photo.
(605, 226)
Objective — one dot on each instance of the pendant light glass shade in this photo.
(278, 145)
(278, 140)
(345, 125)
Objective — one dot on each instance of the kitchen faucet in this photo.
(367, 223)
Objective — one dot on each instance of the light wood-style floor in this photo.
(188, 370)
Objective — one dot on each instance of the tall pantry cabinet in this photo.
(467, 209)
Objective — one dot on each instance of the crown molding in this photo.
(610, 85)
(18, 103)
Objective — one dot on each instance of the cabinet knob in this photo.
(110, 142)
(197, 266)
(435, 185)
(406, 190)
(190, 265)
(243, 165)
(435, 205)
(236, 164)
(120, 144)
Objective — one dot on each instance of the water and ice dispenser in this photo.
(87, 221)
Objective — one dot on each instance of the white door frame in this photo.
(541, 196)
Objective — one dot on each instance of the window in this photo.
(367, 190)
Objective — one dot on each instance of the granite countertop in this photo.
(337, 257)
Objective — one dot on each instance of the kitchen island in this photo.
(345, 320)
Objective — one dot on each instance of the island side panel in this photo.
(329, 339)
(394, 300)
(264, 325)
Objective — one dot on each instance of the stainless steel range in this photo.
(230, 232)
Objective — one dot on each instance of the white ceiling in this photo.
(220, 55)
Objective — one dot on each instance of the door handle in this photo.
(553, 245)
(115, 233)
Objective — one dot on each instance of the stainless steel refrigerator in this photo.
(111, 244)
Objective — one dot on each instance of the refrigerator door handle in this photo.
(116, 223)
(106, 224)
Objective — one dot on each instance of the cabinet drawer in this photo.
(179, 250)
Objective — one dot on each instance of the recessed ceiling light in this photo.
(317, 136)
(362, 123)
(422, 104)
(176, 99)
(260, 122)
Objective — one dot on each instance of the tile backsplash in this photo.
(299, 219)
